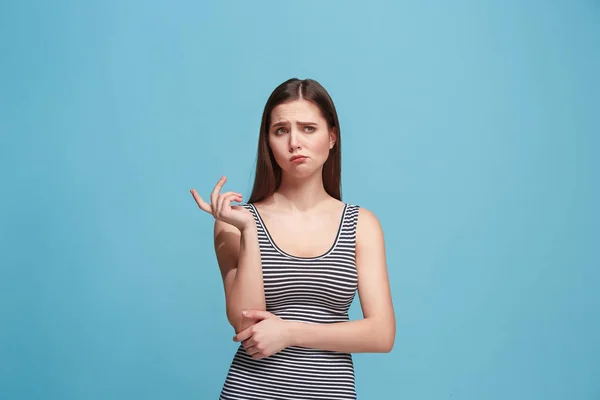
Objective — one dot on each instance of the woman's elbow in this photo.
(237, 321)
(387, 339)
(234, 317)
(388, 344)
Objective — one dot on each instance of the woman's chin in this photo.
(299, 171)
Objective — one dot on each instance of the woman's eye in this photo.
(277, 131)
(310, 128)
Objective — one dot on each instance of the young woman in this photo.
(293, 256)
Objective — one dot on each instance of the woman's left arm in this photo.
(377, 330)
(375, 333)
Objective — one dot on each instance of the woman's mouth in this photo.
(298, 159)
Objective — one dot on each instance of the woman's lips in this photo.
(298, 159)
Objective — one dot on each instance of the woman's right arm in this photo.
(238, 255)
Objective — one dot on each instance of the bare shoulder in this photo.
(368, 226)
(370, 243)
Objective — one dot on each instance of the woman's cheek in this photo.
(277, 154)
(325, 149)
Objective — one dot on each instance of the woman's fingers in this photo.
(216, 190)
(214, 207)
(219, 202)
(224, 201)
(249, 342)
(201, 203)
(252, 350)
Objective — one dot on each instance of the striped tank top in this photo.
(315, 290)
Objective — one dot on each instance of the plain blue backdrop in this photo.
(469, 128)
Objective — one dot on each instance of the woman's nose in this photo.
(294, 143)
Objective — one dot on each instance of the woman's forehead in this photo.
(299, 110)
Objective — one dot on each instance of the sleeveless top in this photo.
(317, 290)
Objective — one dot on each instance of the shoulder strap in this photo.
(351, 218)
(347, 238)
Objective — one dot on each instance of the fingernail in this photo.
(244, 313)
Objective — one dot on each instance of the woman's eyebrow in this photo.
(297, 122)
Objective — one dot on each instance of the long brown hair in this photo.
(268, 172)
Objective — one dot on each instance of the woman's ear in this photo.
(332, 137)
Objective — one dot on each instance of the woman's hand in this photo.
(267, 337)
(221, 207)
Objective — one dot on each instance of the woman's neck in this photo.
(301, 194)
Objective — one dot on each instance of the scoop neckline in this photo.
(276, 247)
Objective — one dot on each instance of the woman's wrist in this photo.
(249, 227)
(291, 333)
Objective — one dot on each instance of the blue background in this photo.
(469, 128)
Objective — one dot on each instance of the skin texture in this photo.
(302, 206)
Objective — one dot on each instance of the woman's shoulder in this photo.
(367, 221)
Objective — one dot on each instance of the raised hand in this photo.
(221, 207)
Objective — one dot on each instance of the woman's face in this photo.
(300, 138)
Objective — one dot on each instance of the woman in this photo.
(293, 256)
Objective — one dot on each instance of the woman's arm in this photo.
(238, 255)
(373, 334)
(377, 330)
